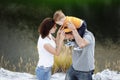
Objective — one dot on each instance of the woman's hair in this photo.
(45, 26)
(58, 14)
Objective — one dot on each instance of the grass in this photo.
(63, 61)
(21, 66)
(107, 56)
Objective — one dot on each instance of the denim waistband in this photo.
(43, 67)
(83, 71)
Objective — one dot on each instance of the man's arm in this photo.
(79, 40)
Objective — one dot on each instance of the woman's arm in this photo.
(59, 41)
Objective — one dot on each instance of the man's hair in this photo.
(45, 26)
(58, 14)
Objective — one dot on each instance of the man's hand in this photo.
(71, 26)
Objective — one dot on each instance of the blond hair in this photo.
(58, 14)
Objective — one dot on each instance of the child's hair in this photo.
(58, 15)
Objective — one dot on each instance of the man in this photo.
(82, 66)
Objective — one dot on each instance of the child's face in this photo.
(60, 20)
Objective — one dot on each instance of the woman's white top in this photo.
(46, 58)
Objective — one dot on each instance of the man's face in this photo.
(69, 36)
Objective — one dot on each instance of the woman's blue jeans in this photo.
(78, 75)
(43, 73)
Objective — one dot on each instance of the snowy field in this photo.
(9, 75)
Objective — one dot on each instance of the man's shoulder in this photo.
(87, 32)
(89, 35)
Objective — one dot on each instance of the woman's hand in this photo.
(59, 30)
(62, 35)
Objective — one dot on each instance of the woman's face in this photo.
(53, 30)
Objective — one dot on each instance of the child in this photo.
(62, 20)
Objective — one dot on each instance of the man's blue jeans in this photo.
(43, 73)
(78, 75)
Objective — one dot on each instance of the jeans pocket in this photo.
(84, 75)
(43, 73)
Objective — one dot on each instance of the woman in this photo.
(48, 46)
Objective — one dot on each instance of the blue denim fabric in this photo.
(43, 73)
(78, 75)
